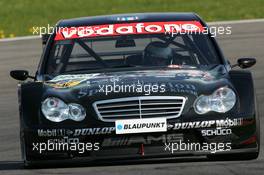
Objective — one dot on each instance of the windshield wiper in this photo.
(123, 66)
(84, 69)
(88, 69)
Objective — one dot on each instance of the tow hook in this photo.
(141, 150)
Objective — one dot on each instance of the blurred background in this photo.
(18, 17)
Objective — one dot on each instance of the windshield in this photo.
(114, 52)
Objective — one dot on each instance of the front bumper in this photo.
(103, 143)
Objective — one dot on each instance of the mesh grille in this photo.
(139, 107)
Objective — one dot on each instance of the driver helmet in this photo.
(157, 54)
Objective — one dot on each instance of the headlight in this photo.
(222, 100)
(56, 110)
(77, 112)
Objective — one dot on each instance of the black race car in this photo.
(136, 86)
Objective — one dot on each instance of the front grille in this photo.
(139, 107)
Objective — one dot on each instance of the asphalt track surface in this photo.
(246, 40)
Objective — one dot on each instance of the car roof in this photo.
(128, 18)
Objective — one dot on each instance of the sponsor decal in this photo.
(65, 140)
(216, 132)
(128, 29)
(64, 84)
(53, 132)
(91, 84)
(66, 81)
(93, 131)
(229, 122)
(137, 87)
(146, 140)
(73, 77)
(223, 123)
(141, 125)
(182, 88)
(74, 132)
(194, 74)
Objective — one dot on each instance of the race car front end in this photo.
(187, 119)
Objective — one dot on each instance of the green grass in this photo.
(18, 17)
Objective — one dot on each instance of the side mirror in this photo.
(245, 62)
(20, 75)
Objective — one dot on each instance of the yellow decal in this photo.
(68, 84)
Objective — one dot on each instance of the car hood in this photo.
(180, 81)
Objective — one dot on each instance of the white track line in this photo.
(209, 23)
(20, 38)
(236, 21)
